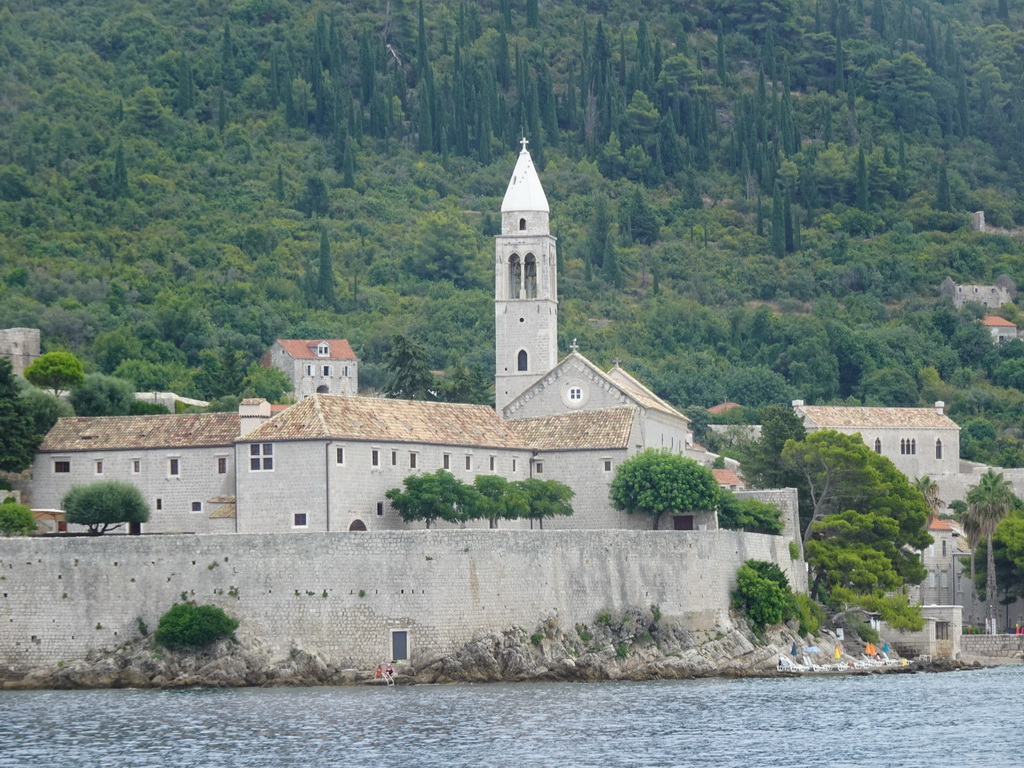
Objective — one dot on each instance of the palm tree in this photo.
(930, 490)
(989, 502)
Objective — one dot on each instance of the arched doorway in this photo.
(357, 525)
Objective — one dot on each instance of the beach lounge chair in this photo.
(788, 665)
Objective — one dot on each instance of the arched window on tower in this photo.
(523, 361)
(522, 225)
(530, 276)
(878, 445)
(903, 447)
(913, 447)
(515, 276)
(938, 449)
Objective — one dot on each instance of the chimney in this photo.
(939, 407)
(798, 403)
(253, 412)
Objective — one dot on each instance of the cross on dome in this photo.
(524, 141)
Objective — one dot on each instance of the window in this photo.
(136, 466)
(447, 461)
(530, 276)
(309, 370)
(197, 506)
(174, 467)
(394, 458)
(513, 465)
(522, 364)
(340, 456)
(607, 465)
(323, 350)
(913, 447)
(380, 508)
(222, 465)
(878, 445)
(344, 371)
(99, 467)
(944, 548)
(61, 467)
(374, 458)
(159, 504)
(539, 467)
(490, 464)
(938, 449)
(261, 457)
(575, 394)
(522, 225)
(469, 463)
(327, 370)
(942, 630)
(299, 520)
(412, 460)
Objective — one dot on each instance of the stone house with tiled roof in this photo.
(1001, 329)
(184, 464)
(316, 366)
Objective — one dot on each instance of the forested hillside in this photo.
(755, 200)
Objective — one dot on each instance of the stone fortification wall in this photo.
(993, 646)
(340, 595)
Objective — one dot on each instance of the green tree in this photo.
(105, 505)
(102, 395)
(18, 435)
(16, 519)
(325, 272)
(500, 499)
(763, 592)
(408, 375)
(989, 502)
(545, 498)
(269, 383)
(437, 496)
(42, 410)
(658, 482)
(748, 515)
(59, 371)
(194, 626)
(762, 462)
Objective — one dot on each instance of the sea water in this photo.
(968, 718)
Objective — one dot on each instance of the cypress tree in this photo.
(862, 180)
(901, 170)
(760, 215)
(942, 199)
(787, 219)
(778, 224)
(840, 62)
(279, 185)
(325, 273)
(1003, 11)
(720, 51)
(506, 16)
(421, 43)
(532, 14)
(186, 91)
(222, 108)
(119, 183)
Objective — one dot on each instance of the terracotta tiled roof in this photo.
(306, 348)
(111, 433)
(728, 478)
(278, 407)
(579, 430)
(723, 407)
(640, 393)
(833, 416)
(224, 512)
(938, 524)
(994, 321)
(372, 418)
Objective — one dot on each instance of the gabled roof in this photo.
(385, 420)
(114, 433)
(728, 478)
(938, 524)
(578, 430)
(524, 192)
(306, 349)
(723, 407)
(844, 417)
(994, 321)
(640, 393)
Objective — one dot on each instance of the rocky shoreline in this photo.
(627, 647)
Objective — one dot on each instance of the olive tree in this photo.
(105, 506)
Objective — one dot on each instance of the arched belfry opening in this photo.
(522, 225)
(515, 276)
(530, 276)
(522, 361)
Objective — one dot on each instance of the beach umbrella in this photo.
(885, 648)
(792, 650)
(838, 652)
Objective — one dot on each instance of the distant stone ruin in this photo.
(994, 296)
(20, 346)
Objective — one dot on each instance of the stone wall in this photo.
(940, 637)
(340, 595)
(992, 646)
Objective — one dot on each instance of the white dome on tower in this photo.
(524, 191)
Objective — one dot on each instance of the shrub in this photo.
(16, 519)
(622, 650)
(794, 551)
(864, 631)
(194, 625)
(808, 613)
(537, 638)
(762, 591)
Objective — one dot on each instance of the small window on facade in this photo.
(261, 457)
(222, 465)
(327, 370)
(490, 464)
(878, 445)
(412, 460)
(174, 467)
(344, 371)
(938, 449)
(340, 455)
(394, 458)
(469, 463)
(575, 394)
(299, 520)
(539, 467)
(513, 465)
(159, 504)
(523, 360)
(380, 507)
(197, 506)
(99, 467)
(943, 547)
(942, 630)
(607, 465)
(522, 225)
(324, 350)
(447, 461)
(374, 458)
(309, 370)
(913, 447)
(61, 467)
(136, 466)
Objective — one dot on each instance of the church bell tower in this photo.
(525, 286)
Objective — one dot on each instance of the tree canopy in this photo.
(58, 371)
(19, 433)
(105, 505)
(658, 482)
(16, 519)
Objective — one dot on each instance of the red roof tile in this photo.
(994, 321)
(579, 430)
(723, 407)
(113, 433)
(306, 349)
(727, 477)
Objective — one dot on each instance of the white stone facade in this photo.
(316, 366)
(20, 346)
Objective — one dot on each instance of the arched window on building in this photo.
(903, 447)
(938, 449)
(522, 225)
(515, 276)
(913, 447)
(530, 276)
(878, 445)
(523, 361)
